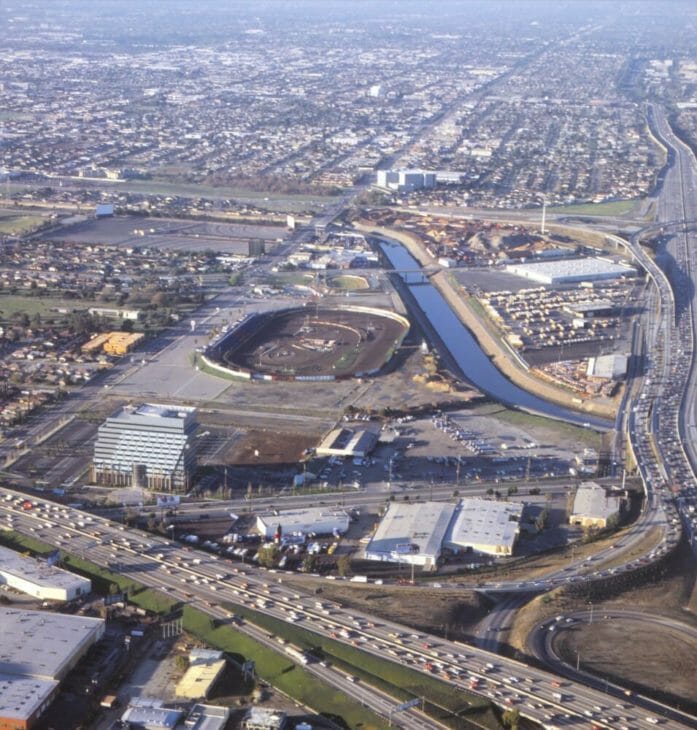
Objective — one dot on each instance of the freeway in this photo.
(671, 412)
(220, 509)
(378, 701)
(207, 581)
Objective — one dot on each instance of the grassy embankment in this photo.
(613, 208)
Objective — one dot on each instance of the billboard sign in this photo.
(167, 501)
(408, 705)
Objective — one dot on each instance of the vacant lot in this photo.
(664, 660)
(443, 612)
(629, 653)
(13, 224)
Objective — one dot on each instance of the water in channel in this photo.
(473, 362)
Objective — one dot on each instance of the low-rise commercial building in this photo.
(569, 271)
(205, 667)
(348, 442)
(23, 700)
(405, 180)
(608, 367)
(593, 506)
(317, 520)
(37, 650)
(37, 578)
(207, 717)
(148, 717)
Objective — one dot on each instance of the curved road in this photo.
(543, 638)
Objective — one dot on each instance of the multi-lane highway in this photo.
(672, 410)
(206, 581)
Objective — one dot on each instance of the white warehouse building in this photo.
(318, 520)
(45, 644)
(37, 578)
(485, 526)
(411, 533)
(37, 650)
(570, 271)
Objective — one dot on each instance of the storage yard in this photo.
(540, 318)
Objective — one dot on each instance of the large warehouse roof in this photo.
(485, 526)
(40, 573)
(42, 644)
(570, 270)
(411, 530)
(21, 697)
(612, 367)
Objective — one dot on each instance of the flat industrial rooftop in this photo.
(42, 644)
(407, 528)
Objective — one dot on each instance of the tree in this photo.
(511, 718)
(159, 299)
(343, 565)
(269, 555)
(310, 563)
(542, 520)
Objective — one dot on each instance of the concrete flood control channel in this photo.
(474, 364)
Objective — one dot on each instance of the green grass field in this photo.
(13, 303)
(615, 208)
(14, 224)
(290, 278)
(349, 283)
